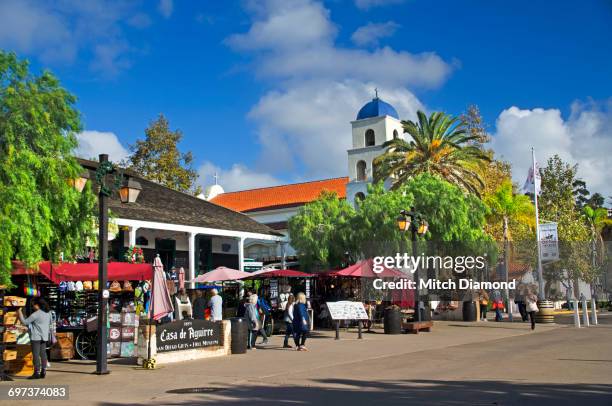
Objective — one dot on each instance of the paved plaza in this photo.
(457, 363)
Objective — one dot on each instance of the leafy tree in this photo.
(157, 158)
(597, 220)
(41, 214)
(558, 204)
(374, 226)
(506, 207)
(320, 232)
(440, 145)
(475, 125)
(596, 200)
(581, 193)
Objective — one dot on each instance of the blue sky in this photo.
(264, 90)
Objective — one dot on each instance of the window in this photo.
(359, 196)
(361, 170)
(370, 139)
(395, 134)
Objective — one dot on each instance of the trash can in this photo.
(546, 314)
(240, 333)
(393, 320)
(469, 311)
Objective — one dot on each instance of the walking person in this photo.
(38, 323)
(498, 305)
(253, 321)
(264, 311)
(289, 320)
(483, 301)
(301, 322)
(531, 301)
(519, 300)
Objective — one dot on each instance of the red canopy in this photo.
(281, 273)
(364, 269)
(88, 271)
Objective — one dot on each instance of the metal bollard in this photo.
(576, 316)
(593, 312)
(585, 313)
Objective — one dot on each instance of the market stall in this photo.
(71, 289)
(355, 283)
(275, 286)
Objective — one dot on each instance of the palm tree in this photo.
(506, 206)
(596, 219)
(440, 145)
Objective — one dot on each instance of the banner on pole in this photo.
(549, 242)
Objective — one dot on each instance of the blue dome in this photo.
(377, 108)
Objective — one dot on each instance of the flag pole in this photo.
(537, 218)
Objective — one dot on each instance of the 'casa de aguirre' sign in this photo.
(188, 334)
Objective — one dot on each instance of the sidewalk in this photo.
(127, 383)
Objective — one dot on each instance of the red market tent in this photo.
(280, 273)
(365, 269)
(87, 271)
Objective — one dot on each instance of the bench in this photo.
(414, 327)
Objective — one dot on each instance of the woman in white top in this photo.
(289, 320)
(531, 303)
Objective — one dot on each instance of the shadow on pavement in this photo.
(419, 392)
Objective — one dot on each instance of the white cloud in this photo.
(317, 87)
(295, 39)
(308, 125)
(165, 8)
(585, 138)
(238, 177)
(93, 143)
(371, 33)
(367, 4)
(59, 32)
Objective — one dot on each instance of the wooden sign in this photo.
(346, 310)
(188, 334)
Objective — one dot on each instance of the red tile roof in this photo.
(275, 197)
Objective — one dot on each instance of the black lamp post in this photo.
(128, 192)
(414, 221)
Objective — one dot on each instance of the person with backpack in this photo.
(288, 318)
(38, 323)
(264, 311)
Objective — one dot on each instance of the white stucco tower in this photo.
(376, 123)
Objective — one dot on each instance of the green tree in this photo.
(506, 206)
(320, 232)
(374, 227)
(440, 145)
(597, 220)
(557, 203)
(157, 158)
(41, 214)
(475, 125)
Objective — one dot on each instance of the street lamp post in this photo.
(414, 221)
(128, 193)
(101, 353)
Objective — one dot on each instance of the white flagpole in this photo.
(537, 217)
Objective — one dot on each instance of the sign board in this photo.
(346, 310)
(187, 335)
(549, 242)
